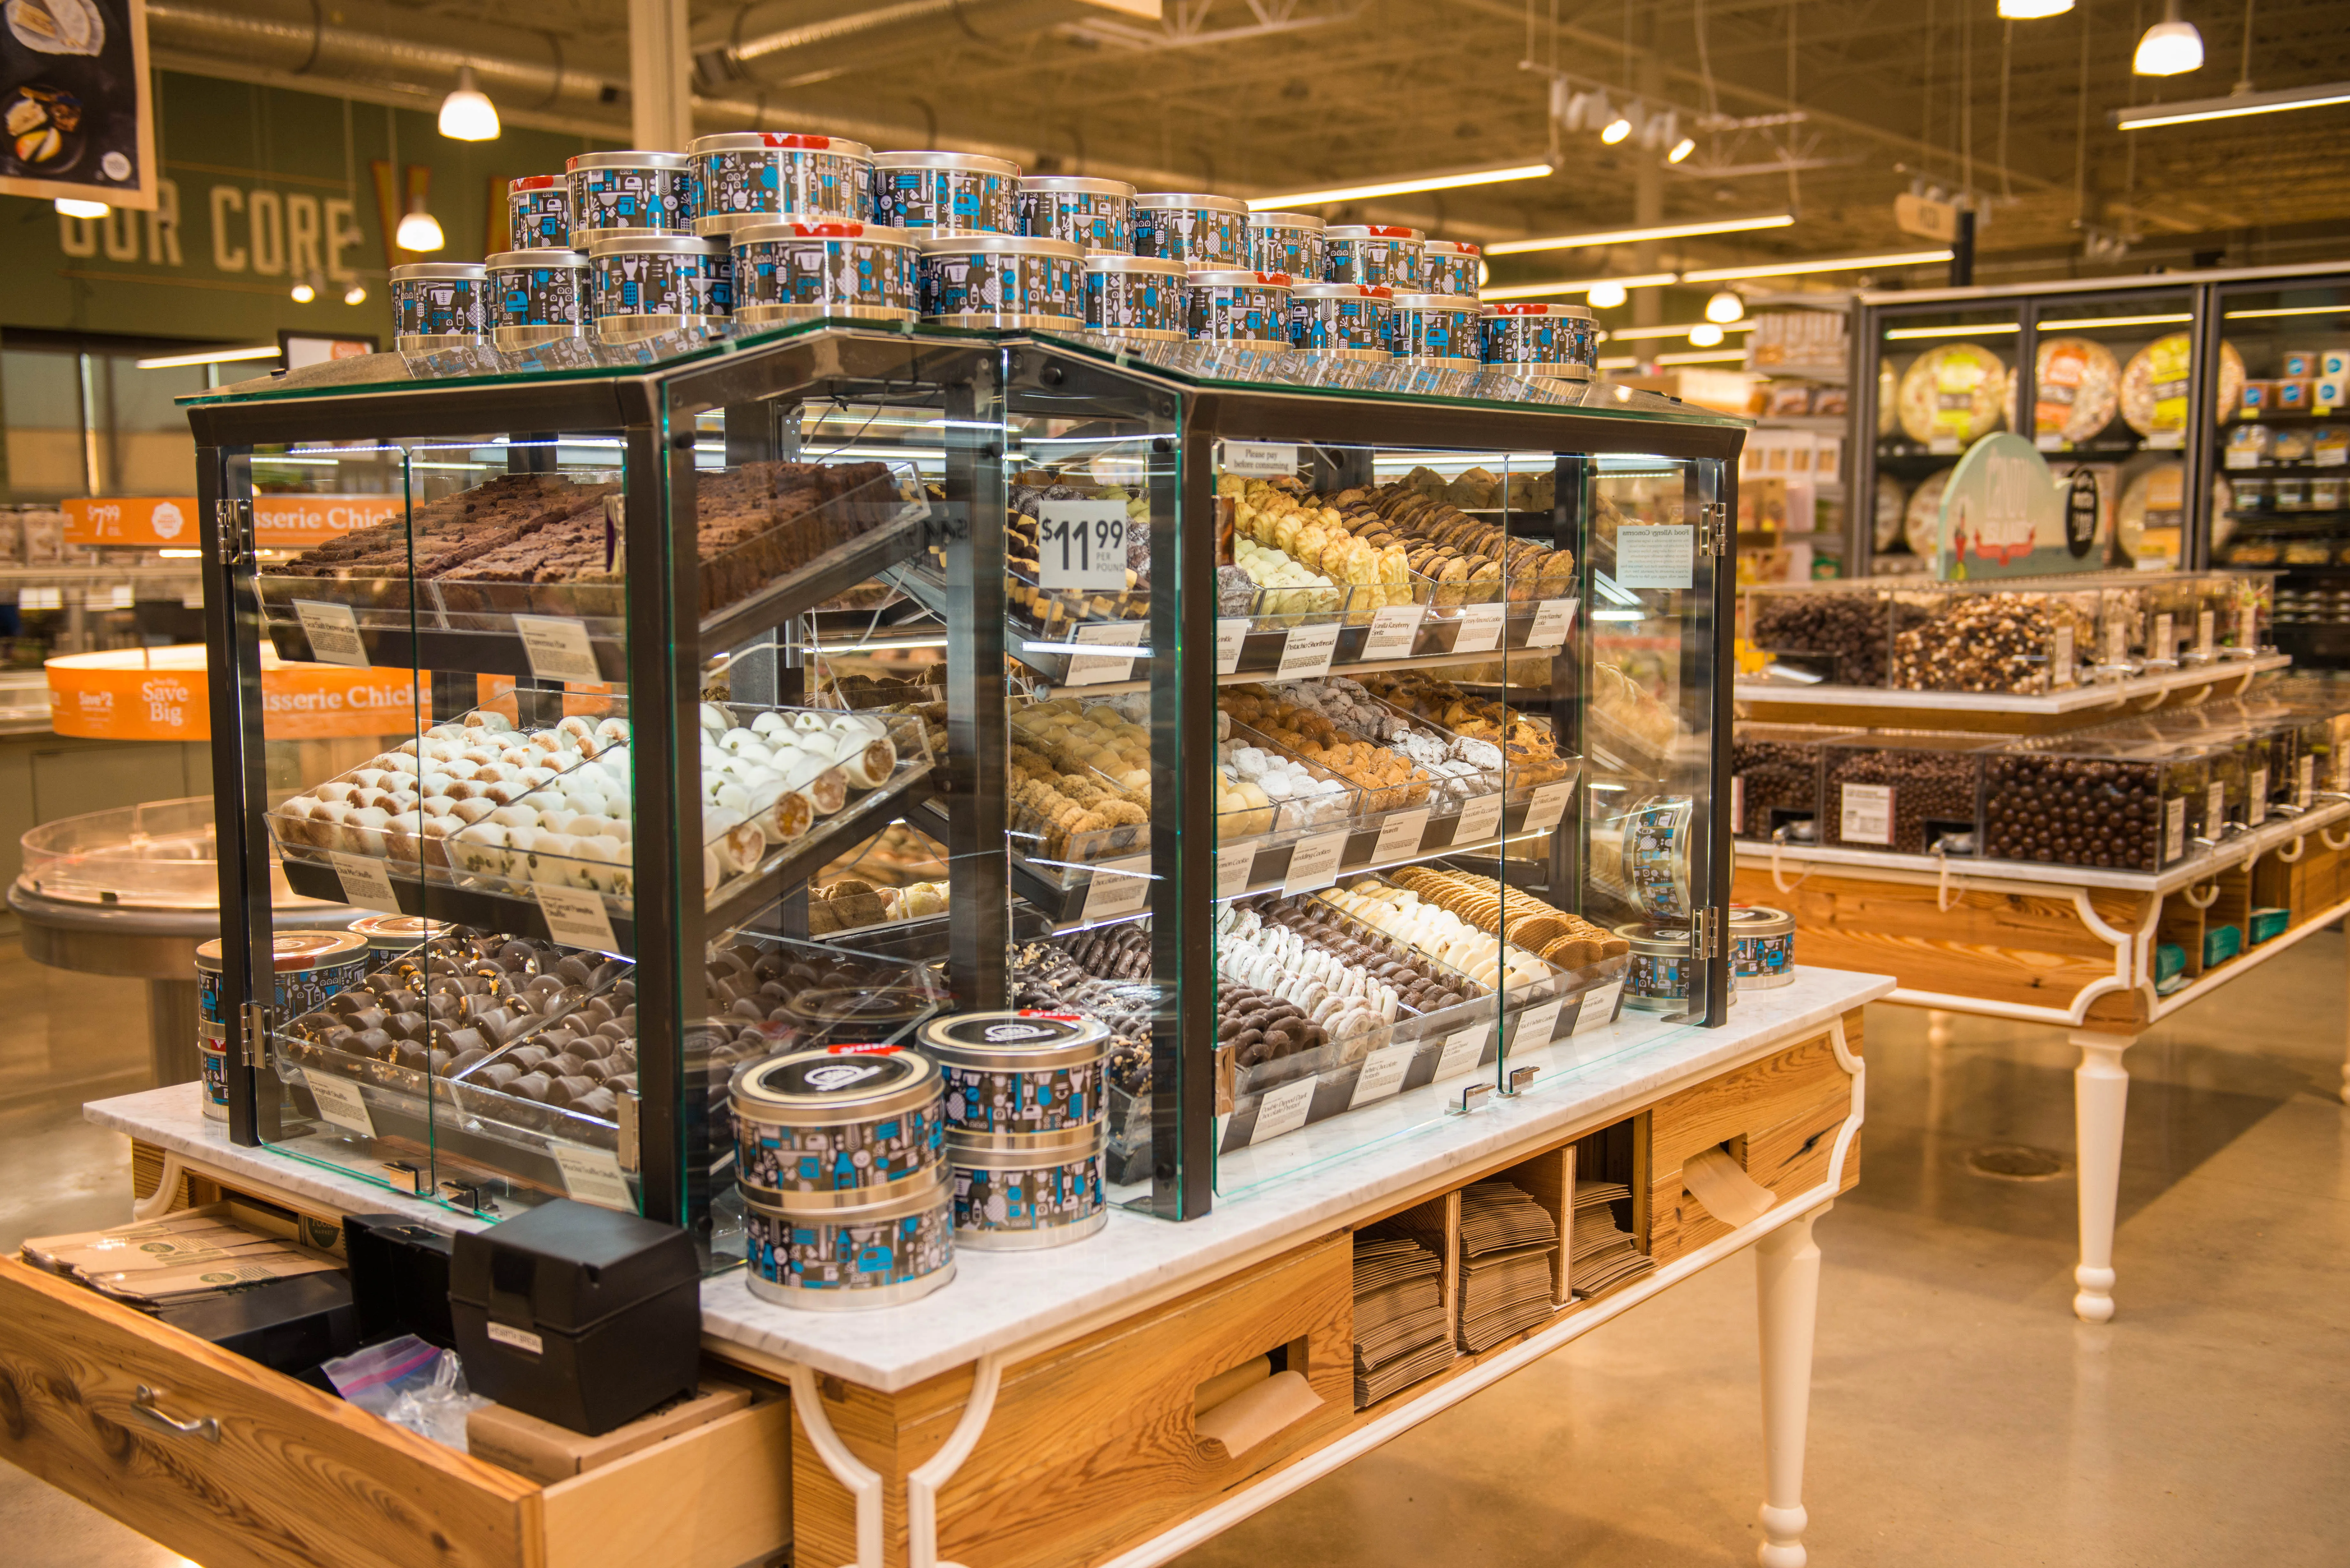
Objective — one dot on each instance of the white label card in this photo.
(1462, 1050)
(1282, 1110)
(1399, 835)
(1259, 459)
(1230, 636)
(557, 649)
(2239, 457)
(1547, 804)
(2247, 629)
(1868, 813)
(593, 1176)
(2164, 630)
(2049, 440)
(1655, 555)
(2117, 641)
(2060, 671)
(2174, 830)
(521, 1339)
(1480, 817)
(1095, 669)
(2165, 439)
(2330, 457)
(1306, 653)
(1382, 1075)
(1943, 446)
(1598, 1009)
(339, 1102)
(2215, 810)
(2256, 798)
(1480, 628)
(1536, 1025)
(1081, 545)
(333, 631)
(1119, 888)
(366, 883)
(2304, 786)
(1553, 618)
(1233, 863)
(576, 917)
(2207, 628)
(1314, 863)
(1393, 631)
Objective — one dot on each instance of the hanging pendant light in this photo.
(2170, 48)
(467, 114)
(420, 230)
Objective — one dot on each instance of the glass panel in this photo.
(1945, 378)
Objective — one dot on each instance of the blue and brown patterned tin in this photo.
(618, 193)
(1663, 966)
(1233, 306)
(1657, 857)
(1345, 320)
(1000, 280)
(1095, 215)
(536, 296)
(1560, 342)
(1014, 1076)
(875, 1255)
(1145, 298)
(1450, 266)
(438, 304)
(1198, 230)
(641, 285)
(1761, 945)
(311, 967)
(815, 271)
(837, 1127)
(751, 177)
(938, 194)
(1374, 253)
(538, 213)
(1287, 241)
(1438, 329)
(1010, 1200)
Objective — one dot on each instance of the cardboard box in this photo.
(547, 1452)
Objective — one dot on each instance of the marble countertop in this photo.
(1282, 1193)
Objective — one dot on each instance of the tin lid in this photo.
(970, 162)
(1077, 185)
(781, 140)
(553, 255)
(295, 949)
(1001, 244)
(396, 931)
(1029, 1151)
(1236, 277)
(928, 1189)
(1028, 1038)
(626, 242)
(1656, 941)
(438, 272)
(1285, 221)
(677, 161)
(1341, 291)
(1435, 302)
(1372, 232)
(536, 183)
(1176, 200)
(1451, 248)
(835, 1084)
(1760, 920)
(1572, 311)
(1166, 266)
(845, 229)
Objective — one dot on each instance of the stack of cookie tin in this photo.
(1025, 1126)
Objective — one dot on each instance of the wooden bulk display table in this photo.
(1039, 1410)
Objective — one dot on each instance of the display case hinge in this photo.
(256, 1031)
(233, 536)
(1709, 933)
(1713, 528)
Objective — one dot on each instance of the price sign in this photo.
(1655, 555)
(1480, 628)
(1462, 1050)
(365, 882)
(1548, 804)
(2256, 798)
(1306, 653)
(1598, 1009)
(1536, 1025)
(2049, 440)
(2165, 439)
(1233, 862)
(1230, 636)
(2247, 629)
(1314, 863)
(339, 1102)
(1393, 631)
(1119, 888)
(2207, 632)
(2304, 787)
(576, 917)
(1382, 1075)
(1943, 446)
(557, 649)
(1479, 819)
(2163, 646)
(2215, 810)
(1738, 804)
(2117, 641)
(1096, 669)
(593, 1176)
(1282, 1110)
(1553, 618)
(2241, 457)
(1399, 835)
(1258, 459)
(1081, 543)
(2328, 457)
(1866, 814)
(333, 631)
(2060, 666)
(2174, 830)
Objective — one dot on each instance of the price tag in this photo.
(2049, 440)
(41, 598)
(1548, 804)
(1081, 545)
(1282, 1110)
(557, 646)
(576, 917)
(1462, 1050)
(334, 633)
(1119, 888)
(1480, 628)
(2256, 798)
(1399, 835)
(1868, 813)
(1230, 636)
(1479, 818)
(2165, 633)
(1096, 669)
(2304, 787)
(1738, 802)
(2117, 641)
(1655, 555)
(2215, 810)
(1233, 862)
(1536, 1025)
(2174, 830)
(1393, 631)
(1306, 653)
(339, 1102)
(365, 882)
(1598, 1009)
(2060, 667)
(593, 1176)
(1382, 1075)
(1314, 863)
(1258, 459)
(1553, 618)
(1943, 446)
(2166, 440)
(2240, 457)
(2247, 629)
(2330, 457)
(2206, 628)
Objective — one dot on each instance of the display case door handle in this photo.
(144, 1404)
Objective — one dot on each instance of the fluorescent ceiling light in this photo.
(1626, 236)
(2033, 10)
(2289, 310)
(1825, 264)
(2169, 48)
(2095, 321)
(467, 114)
(2233, 105)
(209, 356)
(1398, 187)
(75, 207)
(1988, 329)
(1626, 334)
(1575, 285)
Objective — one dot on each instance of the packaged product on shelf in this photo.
(1775, 780)
(1654, 857)
(939, 193)
(1451, 266)
(1095, 215)
(1440, 329)
(613, 192)
(1374, 253)
(804, 271)
(1143, 297)
(1952, 394)
(1840, 634)
(644, 286)
(1239, 306)
(312, 967)
(2004, 640)
(1662, 966)
(2090, 800)
(1387, 779)
(538, 213)
(1348, 321)
(1560, 342)
(1000, 280)
(2077, 383)
(1289, 243)
(1200, 231)
(440, 305)
(536, 296)
(1761, 947)
(1909, 793)
(746, 178)
(2154, 383)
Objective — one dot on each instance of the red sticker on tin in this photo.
(787, 138)
(828, 231)
(1064, 1017)
(535, 183)
(860, 1050)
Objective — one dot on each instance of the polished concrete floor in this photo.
(1960, 1413)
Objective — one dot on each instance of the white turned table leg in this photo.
(2100, 1095)
(1788, 1297)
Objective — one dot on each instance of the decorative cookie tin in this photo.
(211, 1064)
(802, 270)
(1000, 280)
(1761, 945)
(538, 213)
(1373, 253)
(438, 304)
(1095, 215)
(1230, 305)
(837, 1127)
(1020, 1200)
(1657, 857)
(1138, 297)
(1663, 965)
(1557, 341)
(311, 967)
(536, 296)
(1200, 231)
(1013, 1078)
(390, 936)
(946, 193)
(751, 177)
(1438, 329)
(1287, 241)
(1449, 267)
(875, 1255)
(1348, 320)
(614, 192)
(640, 285)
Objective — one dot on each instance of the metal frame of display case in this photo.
(2198, 449)
(976, 381)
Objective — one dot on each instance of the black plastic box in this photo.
(399, 1278)
(289, 1326)
(578, 1316)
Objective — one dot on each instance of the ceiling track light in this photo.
(355, 295)
(2170, 48)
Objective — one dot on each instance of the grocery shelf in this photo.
(1774, 698)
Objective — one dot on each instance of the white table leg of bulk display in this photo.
(2100, 1096)
(1786, 1302)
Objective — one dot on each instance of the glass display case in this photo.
(1316, 737)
